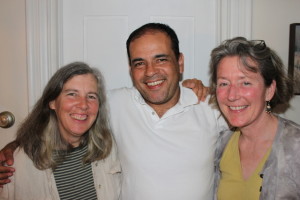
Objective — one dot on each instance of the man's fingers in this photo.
(205, 93)
(5, 169)
(6, 154)
(9, 157)
(5, 176)
(4, 181)
(198, 88)
(5, 173)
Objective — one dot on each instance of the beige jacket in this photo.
(30, 183)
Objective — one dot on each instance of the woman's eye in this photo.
(71, 94)
(222, 84)
(92, 97)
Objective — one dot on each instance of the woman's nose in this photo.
(83, 103)
(233, 93)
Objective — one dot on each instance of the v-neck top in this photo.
(232, 184)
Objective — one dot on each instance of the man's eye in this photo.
(138, 64)
(161, 60)
(246, 83)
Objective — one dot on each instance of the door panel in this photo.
(95, 31)
(13, 74)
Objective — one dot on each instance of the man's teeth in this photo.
(155, 83)
(237, 107)
(79, 117)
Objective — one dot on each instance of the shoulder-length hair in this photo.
(39, 135)
(267, 63)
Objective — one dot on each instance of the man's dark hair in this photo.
(154, 27)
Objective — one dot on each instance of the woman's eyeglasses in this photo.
(258, 44)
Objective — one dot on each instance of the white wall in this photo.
(271, 20)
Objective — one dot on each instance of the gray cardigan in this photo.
(281, 172)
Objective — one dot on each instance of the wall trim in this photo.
(43, 23)
(44, 36)
(234, 18)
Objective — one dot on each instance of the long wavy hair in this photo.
(267, 63)
(39, 134)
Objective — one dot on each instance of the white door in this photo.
(95, 31)
(13, 71)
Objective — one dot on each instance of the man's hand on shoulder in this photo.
(6, 160)
(197, 86)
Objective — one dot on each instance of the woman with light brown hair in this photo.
(259, 158)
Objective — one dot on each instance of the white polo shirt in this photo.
(168, 158)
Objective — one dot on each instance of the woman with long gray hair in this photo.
(66, 149)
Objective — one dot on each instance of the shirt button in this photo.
(99, 186)
(261, 176)
(153, 113)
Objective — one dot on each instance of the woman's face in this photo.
(241, 94)
(76, 107)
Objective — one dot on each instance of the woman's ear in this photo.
(52, 105)
(271, 91)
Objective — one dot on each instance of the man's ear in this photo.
(181, 63)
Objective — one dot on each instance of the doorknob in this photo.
(7, 119)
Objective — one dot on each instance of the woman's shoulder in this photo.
(289, 133)
(111, 163)
(290, 127)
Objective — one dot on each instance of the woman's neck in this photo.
(260, 131)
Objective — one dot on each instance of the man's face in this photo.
(154, 69)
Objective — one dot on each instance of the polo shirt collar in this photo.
(187, 97)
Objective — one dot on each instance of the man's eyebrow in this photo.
(136, 59)
(161, 55)
(156, 56)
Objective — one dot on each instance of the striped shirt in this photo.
(74, 180)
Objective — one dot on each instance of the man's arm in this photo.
(197, 86)
(6, 158)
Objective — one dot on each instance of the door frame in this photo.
(44, 36)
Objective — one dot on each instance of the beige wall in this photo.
(271, 20)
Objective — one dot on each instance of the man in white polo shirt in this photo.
(166, 140)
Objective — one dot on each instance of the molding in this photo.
(43, 44)
(234, 18)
